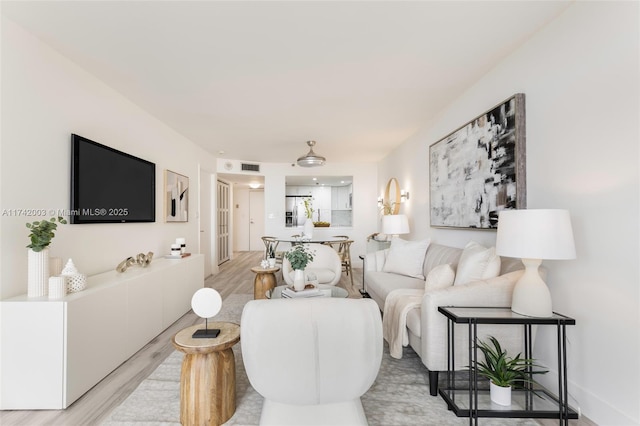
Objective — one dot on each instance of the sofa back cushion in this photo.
(406, 257)
(477, 263)
(437, 254)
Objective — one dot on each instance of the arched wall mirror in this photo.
(392, 197)
(330, 197)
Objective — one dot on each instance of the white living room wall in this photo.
(45, 98)
(580, 78)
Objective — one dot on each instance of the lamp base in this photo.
(531, 296)
(205, 333)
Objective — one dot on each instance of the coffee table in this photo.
(276, 293)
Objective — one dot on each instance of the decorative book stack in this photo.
(308, 291)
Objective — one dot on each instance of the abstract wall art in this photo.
(176, 194)
(480, 169)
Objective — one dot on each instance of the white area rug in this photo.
(400, 395)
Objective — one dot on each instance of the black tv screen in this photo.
(110, 186)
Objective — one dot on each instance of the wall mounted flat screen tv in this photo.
(110, 186)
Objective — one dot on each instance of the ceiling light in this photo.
(254, 185)
(311, 159)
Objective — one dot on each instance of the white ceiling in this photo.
(254, 81)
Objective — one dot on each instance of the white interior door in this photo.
(205, 220)
(256, 220)
(223, 198)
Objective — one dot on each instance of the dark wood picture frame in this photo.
(480, 169)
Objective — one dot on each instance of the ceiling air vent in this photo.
(251, 167)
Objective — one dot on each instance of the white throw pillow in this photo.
(477, 263)
(406, 257)
(440, 276)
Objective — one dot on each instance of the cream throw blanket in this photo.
(394, 320)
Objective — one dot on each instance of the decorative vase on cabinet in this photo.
(38, 273)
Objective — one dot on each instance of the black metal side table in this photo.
(530, 402)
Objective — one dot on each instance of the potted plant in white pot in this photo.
(504, 372)
(299, 257)
(42, 232)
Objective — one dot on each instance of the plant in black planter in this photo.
(503, 371)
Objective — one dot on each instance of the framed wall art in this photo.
(480, 169)
(176, 195)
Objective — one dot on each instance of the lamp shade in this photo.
(535, 234)
(395, 224)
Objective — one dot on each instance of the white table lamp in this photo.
(395, 224)
(534, 235)
(206, 303)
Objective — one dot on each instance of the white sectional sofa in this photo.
(426, 327)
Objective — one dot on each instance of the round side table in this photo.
(208, 375)
(265, 280)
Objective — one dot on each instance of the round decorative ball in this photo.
(206, 302)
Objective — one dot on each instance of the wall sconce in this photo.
(404, 196)
(380, 201)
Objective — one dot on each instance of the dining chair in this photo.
(270, 247)
(344, 252)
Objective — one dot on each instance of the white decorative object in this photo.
(501, 395)
(55, 266)
(264, 264)
(206, 303)
(298, 279)
(175, 249)
(183, 244)
(75, 280)
(272, 262)
(533, 235)
(308, 229)
(38, 273)
(57, 287)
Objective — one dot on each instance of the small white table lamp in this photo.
(533, 235)
(206, 303)
(395, 224)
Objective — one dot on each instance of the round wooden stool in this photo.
(208, 375)
(265, 280)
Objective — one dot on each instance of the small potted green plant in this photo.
(299, 257)
(42, 232)
(504, 372)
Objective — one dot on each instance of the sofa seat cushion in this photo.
(380, 284)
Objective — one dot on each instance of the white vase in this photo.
(37, 273)
(298, 279)
(500, 395)
(308, 229)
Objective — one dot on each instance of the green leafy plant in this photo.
(299, 256)
(42, 232)
(503, 370)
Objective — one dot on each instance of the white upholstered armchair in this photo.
(326, 265)
(311, 359)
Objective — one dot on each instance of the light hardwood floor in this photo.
(94, 407)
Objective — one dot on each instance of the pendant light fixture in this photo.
(311, 159)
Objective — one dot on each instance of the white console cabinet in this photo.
(53, 351)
